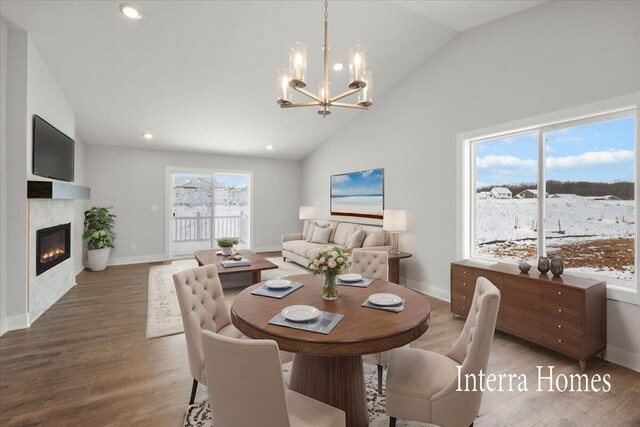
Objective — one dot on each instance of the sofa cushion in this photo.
(343, 230)
(375, 238)
(356, 239)
(299, 247)
(312, 228)
(321, 235)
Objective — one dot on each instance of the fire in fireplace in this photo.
(53, 245)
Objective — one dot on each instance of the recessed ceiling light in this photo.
(338, 66)
(130, 10)
(269, 147)
(147, 136)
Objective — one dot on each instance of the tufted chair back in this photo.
(203, 307)
(371, 264)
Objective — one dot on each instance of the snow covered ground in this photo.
(508, 228)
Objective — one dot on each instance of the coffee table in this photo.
(329, 367)
(258, 263)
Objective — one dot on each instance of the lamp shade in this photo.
(394, 220)
(307, 212)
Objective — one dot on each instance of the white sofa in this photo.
(296, 248)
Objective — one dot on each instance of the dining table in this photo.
(328, 367)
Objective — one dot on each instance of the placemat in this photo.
(264, 291)
(393, 308)
(363, 283)
(322, 325)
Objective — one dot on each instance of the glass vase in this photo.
(330, 289)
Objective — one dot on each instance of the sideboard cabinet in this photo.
(567, 314)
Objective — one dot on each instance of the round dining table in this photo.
(329, 367)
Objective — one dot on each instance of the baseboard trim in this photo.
(137, 259)
(274, 248)
(431, 290)
(14, 323)
(622, 358)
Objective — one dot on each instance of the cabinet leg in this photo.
(582, 365)
(602, 355)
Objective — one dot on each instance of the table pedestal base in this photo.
(335, 380)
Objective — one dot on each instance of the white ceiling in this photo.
(200, 75)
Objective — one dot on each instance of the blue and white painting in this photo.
(358, 193)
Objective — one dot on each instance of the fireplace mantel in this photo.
(56, 190)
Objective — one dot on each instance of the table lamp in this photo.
(307, 212)
(394, 221)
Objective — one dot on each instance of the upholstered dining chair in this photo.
(422, 385)
(203, 307)
(373, 265)
(250, 390)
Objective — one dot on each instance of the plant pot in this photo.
(98, 258)
(227, 250)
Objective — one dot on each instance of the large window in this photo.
(567, 189)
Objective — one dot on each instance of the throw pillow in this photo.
(377, 238)
(321, 235)
(312, 228)
(355, 239)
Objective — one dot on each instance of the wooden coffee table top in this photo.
(210, 256)
(361, 331)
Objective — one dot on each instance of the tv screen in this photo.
(53, 151)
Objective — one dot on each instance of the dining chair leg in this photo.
(380, 369)
(194, 388)
(392, 421)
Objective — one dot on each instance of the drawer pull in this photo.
(464, 284)
(464, 297)
(464, 272)
(559, 292)
(464, 308)
(559, 310)
(559, 326)
(559, 340)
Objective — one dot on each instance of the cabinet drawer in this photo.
(562, 311)
(520, 285)
(524, 324)
(463, 286)
(469, 276)
(568, 345)
(563, 294)
(460, 303)
(555, 326)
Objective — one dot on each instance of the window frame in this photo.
(626, 106)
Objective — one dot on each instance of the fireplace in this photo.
(53, 245)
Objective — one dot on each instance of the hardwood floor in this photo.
(86, 362)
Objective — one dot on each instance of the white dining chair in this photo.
(373, 265)
(203, 307)
(423, 385)
(246, 387)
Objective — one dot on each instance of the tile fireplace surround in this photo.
(48, 287)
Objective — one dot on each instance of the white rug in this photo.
(199, 414)
(163, 311)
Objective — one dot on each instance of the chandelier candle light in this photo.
(295, 77)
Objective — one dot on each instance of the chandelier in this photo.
(360, 78)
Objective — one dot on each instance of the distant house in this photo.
(528, 194)
(501, 193)
(609, 197)
(565, 196)
(485, 195)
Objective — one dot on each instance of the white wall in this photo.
(31, 89)
(132, 180)
(3, 174)
(555, 56)
(78, 225)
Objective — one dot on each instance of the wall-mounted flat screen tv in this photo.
(53, 151)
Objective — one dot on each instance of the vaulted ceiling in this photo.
(200, 76)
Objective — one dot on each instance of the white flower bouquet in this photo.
(329, 261)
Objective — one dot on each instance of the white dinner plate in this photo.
(385, 300)
(300, 313)
(278, 283)
(350, 277)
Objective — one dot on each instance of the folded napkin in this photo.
(322, 325)
(276, 293)
(394, 308)
(362, 283)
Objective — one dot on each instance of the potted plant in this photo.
(99, 235)
(226, 245)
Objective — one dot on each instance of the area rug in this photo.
(199, 414)
(163, 311)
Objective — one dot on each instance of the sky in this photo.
(357, 183)
(599, 152)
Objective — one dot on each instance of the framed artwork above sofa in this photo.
(359, 194)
